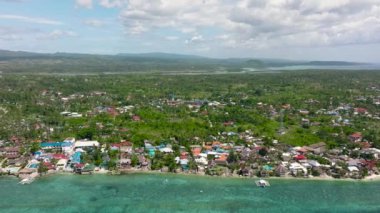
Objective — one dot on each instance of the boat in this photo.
(262, 183)
(27, 180)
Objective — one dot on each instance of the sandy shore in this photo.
(372, 178)
(287, 177)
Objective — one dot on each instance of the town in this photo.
(230, 131)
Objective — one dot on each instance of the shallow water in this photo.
(176, 193)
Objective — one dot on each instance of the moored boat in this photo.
(262, 183)
(27, 180)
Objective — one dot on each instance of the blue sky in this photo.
(289, 29)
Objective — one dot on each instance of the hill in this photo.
(74, 63)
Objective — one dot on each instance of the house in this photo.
(12, 152)
(61, 164)
(59, 156)
(143, 161)
(356, 137)
(124, 147)
(166, 150)
(136, 118)
(280, 170)
(360, 111)
(314, 163)
(184, 155)
(76, 158)
(296, 168)
(69, 140)
(57, 146)
(125, 163)
(86, 144)
(201, 160)
(15, 140)
(353, 170)
(286, 156)
(222, 160)
(228, 123)
(299, 157)
(354, 162)
(196, 150)
(305, 122)
(49, 165)
(216, 144)
(317, 148)
(184, 164)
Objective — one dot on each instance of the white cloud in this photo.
(34, 20)
(84, 3)
(260, 23)
(112, 3)
(171, 38)
(94, 22)
(195, 39)
(57, 34)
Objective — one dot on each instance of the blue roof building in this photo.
(57, 145)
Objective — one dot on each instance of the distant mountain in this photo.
(333, 63)
(29, 62)
(6, 54)
(161, 55)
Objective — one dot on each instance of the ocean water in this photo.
(178, 193)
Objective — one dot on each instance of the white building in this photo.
(85, 144)
(61, 164)
(296, 167)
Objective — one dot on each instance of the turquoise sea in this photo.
(179, 193)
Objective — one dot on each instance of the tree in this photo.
(169, 161)
(134, 160)
(193, 165)
(35, 147)
(232, 157)
(263, 151)
(86, 133)
(111, 165)
(97, 157)
(42, 168)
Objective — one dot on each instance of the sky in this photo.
(290, 29)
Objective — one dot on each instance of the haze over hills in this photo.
(29, 62)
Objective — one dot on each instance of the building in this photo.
(58, 146)
(317, 148)
(356, 137)
(61, 164)
(12, 152)
(86, 144)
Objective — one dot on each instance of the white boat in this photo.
(262, 183)
(27, 180)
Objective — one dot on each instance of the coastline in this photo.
(157, 172)
(319, 178)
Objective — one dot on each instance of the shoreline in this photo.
(319, 178)
(371, 178)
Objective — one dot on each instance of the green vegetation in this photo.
(182, 108)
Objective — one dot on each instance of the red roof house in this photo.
(299, 157)
(356, 137)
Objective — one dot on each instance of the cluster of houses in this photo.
(252, 159)
(54, 156)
